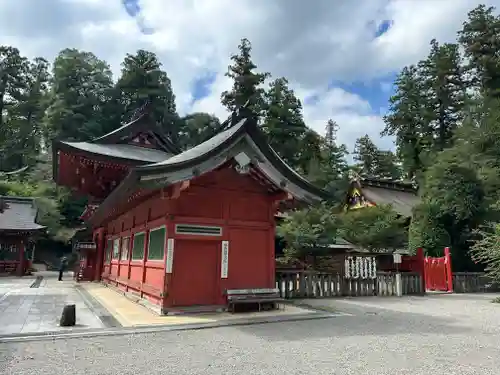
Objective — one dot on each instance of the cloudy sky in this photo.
(341, 56)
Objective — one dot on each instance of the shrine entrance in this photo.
(438, 275)
(87, 261)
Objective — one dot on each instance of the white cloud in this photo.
(310, 43)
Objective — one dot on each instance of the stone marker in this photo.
(68, 316)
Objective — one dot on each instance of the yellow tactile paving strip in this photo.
(131, 314)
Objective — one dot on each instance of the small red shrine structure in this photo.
(180, 229)
(18, 229)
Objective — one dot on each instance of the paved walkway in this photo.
(131, 314)
(33, 310)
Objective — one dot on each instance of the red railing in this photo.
(438, 275)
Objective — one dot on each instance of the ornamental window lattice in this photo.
(360, 267)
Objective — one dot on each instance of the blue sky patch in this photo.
(383, 27)
(201, 87)
(132, 7)
(376, 92)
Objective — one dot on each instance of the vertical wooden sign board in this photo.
(170, 256)
(224, 260)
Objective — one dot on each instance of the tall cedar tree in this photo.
(373, 162)
(246, 82)
(13, 71)
(329, 169)
(141, 80)
(335, 153)
(407, 121)
(283, 122)
(480, 38)
(81, 84)
(31, 109)
(444, 92)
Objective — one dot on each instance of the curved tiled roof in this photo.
(20, 214)
(243, 136)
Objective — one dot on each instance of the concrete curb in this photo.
(162, 328)
(97, 308)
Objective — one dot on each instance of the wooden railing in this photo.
(311, 284)
(473, 282)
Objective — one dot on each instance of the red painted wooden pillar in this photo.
(272, 255)
(99, 258)
(449, 274)
(145, 258)
(20, 268)
(421, 263)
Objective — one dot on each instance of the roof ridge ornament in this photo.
(234, 118)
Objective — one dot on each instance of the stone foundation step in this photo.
(190, 310)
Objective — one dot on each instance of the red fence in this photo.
(435, 272)
(438, 274)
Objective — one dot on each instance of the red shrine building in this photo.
(181, 228)
(18, 229)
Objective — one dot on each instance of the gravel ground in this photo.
(457, 334)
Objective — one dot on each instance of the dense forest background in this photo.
(444, 117)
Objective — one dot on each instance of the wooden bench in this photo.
(263, 296)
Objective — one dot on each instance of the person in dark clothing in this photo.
(62, 267)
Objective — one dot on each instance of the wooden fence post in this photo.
(449, 275)
(421, 267)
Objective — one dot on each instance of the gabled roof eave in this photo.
(209, 158)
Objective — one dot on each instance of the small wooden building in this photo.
(18, 228)
(179, 229)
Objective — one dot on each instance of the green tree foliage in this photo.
(480, 38)
(197, 128)
(328, 166)
(80, 87)
(453, 205)
(373, 162)
(406, 121)
(378, 229)
(427, 107)
(309, 230)
(247, 84)
(15, 132)
(444, 92)
(486, 249)
(141, 80)
(283, 122)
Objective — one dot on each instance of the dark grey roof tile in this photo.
(122, 151)
(199, 150)
(402, 201)
(20, 214)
